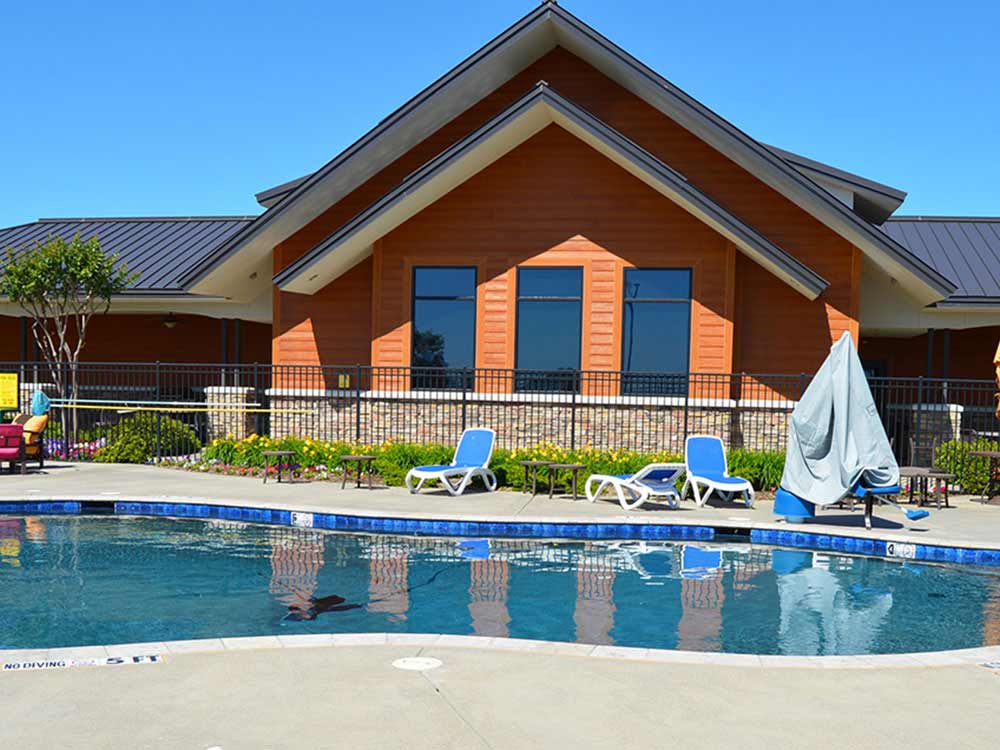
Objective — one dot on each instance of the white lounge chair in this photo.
(472, 459)
(633, 490)
(705, 467)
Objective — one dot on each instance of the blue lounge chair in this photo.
(633, 490)
(705, 467)
(472, 459)
(700, 562)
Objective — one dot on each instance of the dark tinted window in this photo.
(444, 325)
(656, 330)
(550, 282)
(549, 310)
(658, 284)
(444, 282)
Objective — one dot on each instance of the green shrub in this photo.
(972, 473)
(393, 460)
(762, 468)
(135, 438)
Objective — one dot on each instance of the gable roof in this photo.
(966, 249)
(872, 201)
(504, 132)
(541, 30)
(160, 248)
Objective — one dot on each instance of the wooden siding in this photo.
(144, 338)
(554, 201)
(332, 326)
(970, 354)
(745, 326)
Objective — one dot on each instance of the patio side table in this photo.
(533, 466)
(554, 470)
(993, 488)
(279, 455)
(937, 476)
(364, 465)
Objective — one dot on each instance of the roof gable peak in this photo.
(546, 27)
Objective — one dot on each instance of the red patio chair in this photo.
(12, 445)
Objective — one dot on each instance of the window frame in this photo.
(521, 382)
(414, 298)
(632, 377)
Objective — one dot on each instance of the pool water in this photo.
(83, 580)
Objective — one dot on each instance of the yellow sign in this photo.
(10, 397)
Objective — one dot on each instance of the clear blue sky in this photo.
(146, 108)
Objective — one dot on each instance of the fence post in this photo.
(357, 404)
(572, 411)
(72, 376)
(158, 412)
(918, 431)
(257, 399)
(687, 406)
(465, 390)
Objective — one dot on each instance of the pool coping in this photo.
(27, 659)
(876, 543)
(636, 528)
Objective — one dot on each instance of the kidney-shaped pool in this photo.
(83, 580)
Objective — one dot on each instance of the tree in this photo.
(62, 285)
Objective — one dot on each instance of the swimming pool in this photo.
(84, 580)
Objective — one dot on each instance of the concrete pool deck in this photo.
(351, 696)
(342, 691)
(968, 523)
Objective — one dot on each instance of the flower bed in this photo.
(317, 460)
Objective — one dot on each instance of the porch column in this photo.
(929, 367)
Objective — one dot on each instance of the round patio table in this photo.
(533, 466)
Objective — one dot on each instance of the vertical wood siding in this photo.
(743, 317)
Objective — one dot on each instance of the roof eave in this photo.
(307, 274)
(552, 25)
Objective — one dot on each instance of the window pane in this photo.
(444, 282)
(666, 283)
(548, 335)
(550, 282)
(655, 336)
(444, 333)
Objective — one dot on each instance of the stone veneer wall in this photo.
(521, 424)
(230, 420)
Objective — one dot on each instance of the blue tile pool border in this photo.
(875, 547)
(414, 526)
(823, 541)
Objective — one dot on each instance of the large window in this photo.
(656, 330)
(549, 307)
(444, 326)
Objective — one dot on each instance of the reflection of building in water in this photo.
(745, 569)
(701, 616)
(296, 559)
(10, 541)
(594, 614)
(702, 596)
(34, 529)
(387, 579)
(488, 583)
(991, 613)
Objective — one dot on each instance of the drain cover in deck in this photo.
(417, 663)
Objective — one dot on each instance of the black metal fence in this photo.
(173, 409)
